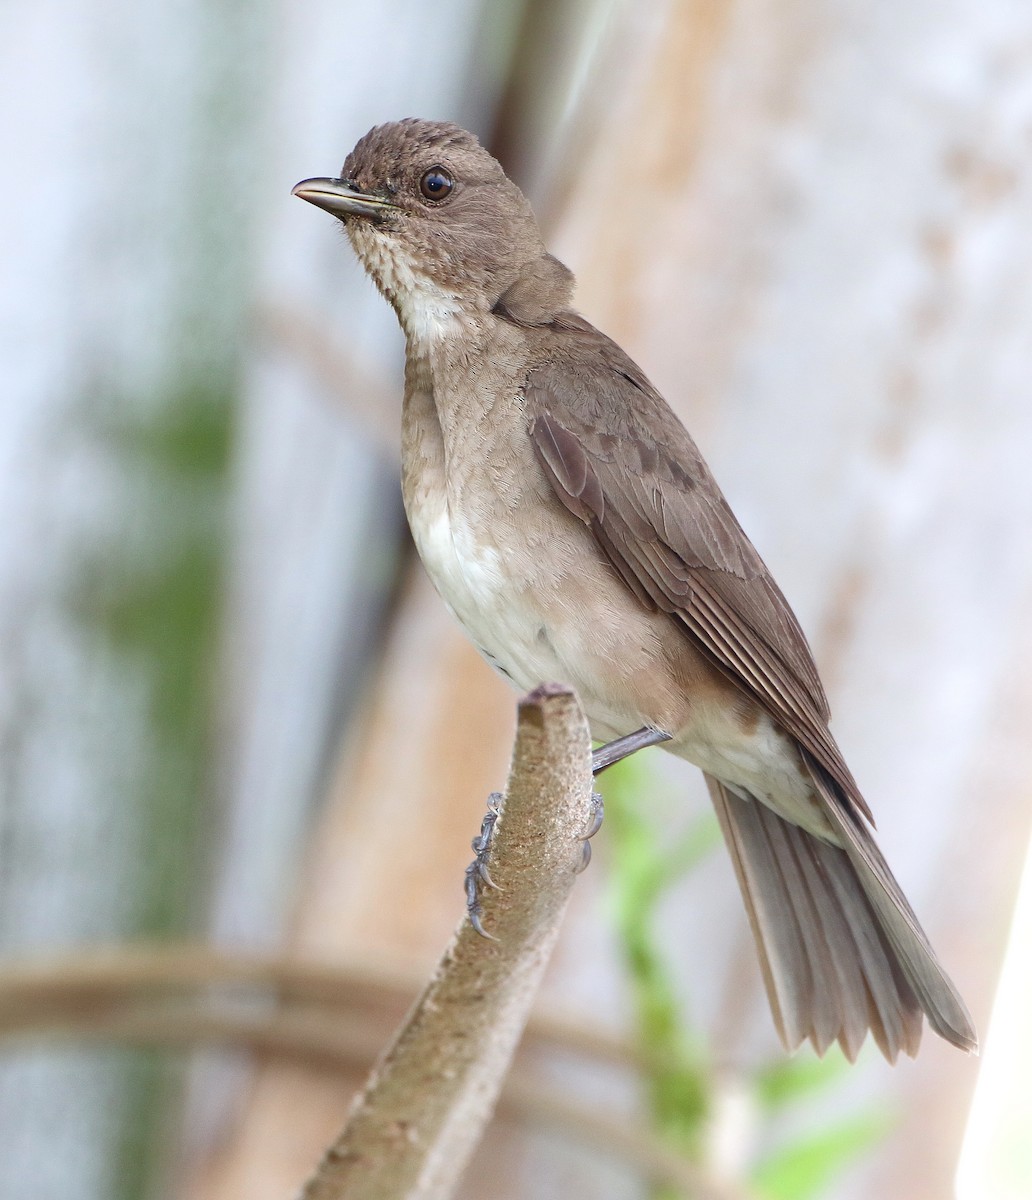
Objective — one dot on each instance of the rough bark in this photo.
(424, 1108)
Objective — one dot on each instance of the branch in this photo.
(54, 993)
(334, 1014)
(327, 1043)
(423, 1110)
(131, 973)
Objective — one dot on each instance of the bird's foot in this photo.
(477, 874)
(598, 811)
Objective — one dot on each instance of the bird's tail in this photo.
(840, 948)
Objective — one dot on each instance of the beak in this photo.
(341, 198)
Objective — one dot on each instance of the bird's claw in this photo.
(582, 866)
(477, 873)
(598, 812)
(485, 875)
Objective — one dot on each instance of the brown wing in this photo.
(621, 461)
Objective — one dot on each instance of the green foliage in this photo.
(152, 597)
(183, 151)
(643, 870)
(804, 1169)
(798, 1077)
(645, 864)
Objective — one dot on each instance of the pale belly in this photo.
(620, 678)
(489, 599)
(547, 611)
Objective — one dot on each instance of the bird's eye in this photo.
(436, 184)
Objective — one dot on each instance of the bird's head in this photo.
(433, 218)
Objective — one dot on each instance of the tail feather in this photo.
(856, 988)
(941, 1002)
(840, 949)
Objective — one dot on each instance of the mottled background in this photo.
(231, 710)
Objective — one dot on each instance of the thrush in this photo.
(570, 523)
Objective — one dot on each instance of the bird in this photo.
(568, 520)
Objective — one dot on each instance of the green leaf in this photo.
(789, 1080)
(803, 1170)
(643, 866)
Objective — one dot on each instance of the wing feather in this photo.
(618, 458)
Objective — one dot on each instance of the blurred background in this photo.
(243, 747)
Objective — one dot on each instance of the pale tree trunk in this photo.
(811, 226)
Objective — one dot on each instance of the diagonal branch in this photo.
(423, 1110)
(327, 1043)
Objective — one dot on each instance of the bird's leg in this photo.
(477, 873)
(607, 756)
(612, 752)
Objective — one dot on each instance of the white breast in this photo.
(492, 605)
(427, 312)
(467, 573)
